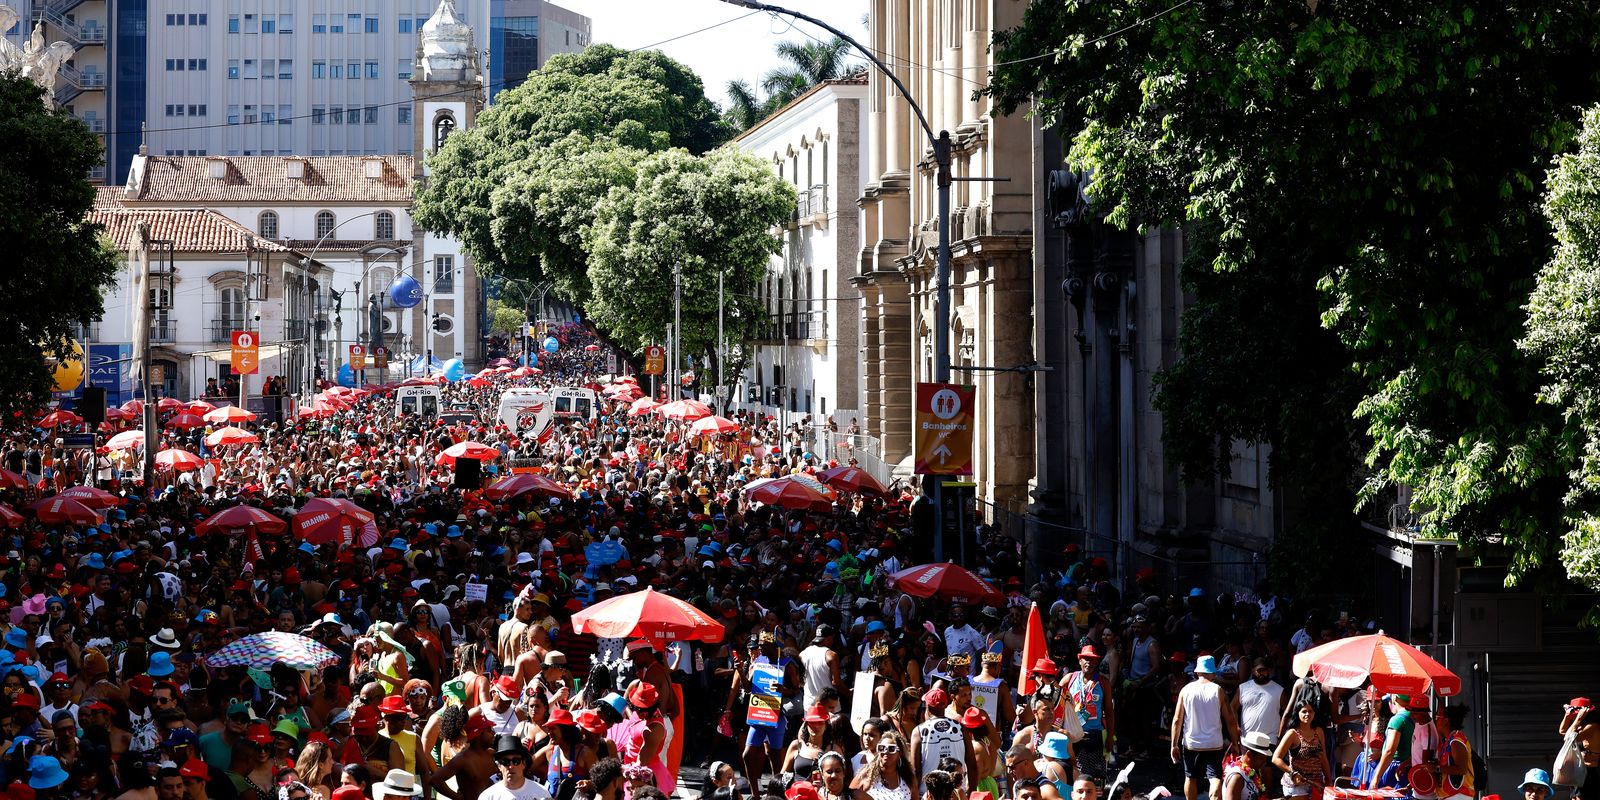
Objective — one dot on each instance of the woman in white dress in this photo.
(887, 775)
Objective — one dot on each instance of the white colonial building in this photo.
(807, 363)
(352, 214)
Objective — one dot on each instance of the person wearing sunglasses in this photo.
(511, 759)
(888, 774)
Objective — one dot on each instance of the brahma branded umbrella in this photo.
(56, 418)
(712, 425)
(518, 485)
(63, 511)
(642, 406)
(185, 422)
(324, 520)
(686, 410)
(127, 440)
(240, 520)
(91, 497)
(789, 492)
(10, 518)
(647, 614)
(947, 580)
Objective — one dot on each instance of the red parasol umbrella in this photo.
(55, 418)
(169, 404)
(687, 410)
(479, 383)
(10, 518)
(647, 614)
(229, 415)
(502, 362)
(63, 511)
(1392, 666)
(91, 497)
(592, 347)
(788, 492)
(179, 460)
(134, 407)
(242, 519)
(627, 379)
(477, 451)
(854, 480)
(712, 425)
(185, 422)
(947, 580)
(198, 407)
(316, 411)
(11, 480)
(642, 406)
(127, 440)
(324, 520)
(1034, 647)
(231, 435)
(114, 414)
(518, 485)
(522, 372)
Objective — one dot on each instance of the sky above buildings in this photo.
(742, 48)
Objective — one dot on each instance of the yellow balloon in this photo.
(69, 372)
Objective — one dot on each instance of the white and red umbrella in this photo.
(1392, 666)
(642, 406)
(185, 422)
(686, 410)
(477, 451)
(712, 425)
(56, 418)
(231, 436)
(647, 614)
(229, 415)
(198, 407)
(518, 485)
(127, 440)
(169, 404)
(10, 518)
(91, 497)
(324, 520)
(178, 460)
(790, 492)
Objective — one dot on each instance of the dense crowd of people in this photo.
(458, 672)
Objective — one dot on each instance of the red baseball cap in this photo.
(365, 718)
(477, 724)
(195, 768)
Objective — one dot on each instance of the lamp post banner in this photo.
(943, 435)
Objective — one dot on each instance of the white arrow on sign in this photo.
(942, 452)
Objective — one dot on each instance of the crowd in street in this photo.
(455, 669)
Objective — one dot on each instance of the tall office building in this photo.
(272, 77)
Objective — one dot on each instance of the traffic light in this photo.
(438, 323)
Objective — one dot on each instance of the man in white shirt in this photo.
(960, 637)
(1260, 701)
(1202, 726)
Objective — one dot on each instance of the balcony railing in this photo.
(794, 326)
(96, 125)
(164, 332)
(296, 330)
(222, 330)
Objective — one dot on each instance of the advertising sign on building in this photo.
(943, 435)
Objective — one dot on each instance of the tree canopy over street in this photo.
(59, 265)
(599, 174)
(1360, 185)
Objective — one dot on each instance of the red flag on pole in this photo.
(1034, 647)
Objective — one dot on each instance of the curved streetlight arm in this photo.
(933, 138)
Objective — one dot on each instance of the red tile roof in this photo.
(264, 179)
(191, 230)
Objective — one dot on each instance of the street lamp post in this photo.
(940, 143)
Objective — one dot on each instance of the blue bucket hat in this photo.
(20, 741)
(399, 544)
(1056, 745)
(119, 515)
(45, 772)
(1536, 777)
(453, 532)
(17, 638)
(616, 702)
(160, 665)
(95, 561)
(1207, 665)
(308, 548)
(876, 626)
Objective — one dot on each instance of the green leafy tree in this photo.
(505, 319)
(745, 107)
(1366, 174)
(59, 264)
(519, 186)
(1564, 337)
(700, 217)
(808, 64)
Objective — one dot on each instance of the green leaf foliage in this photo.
(518, 187)
(1359, 186)
(703, 216)
(58, 263)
